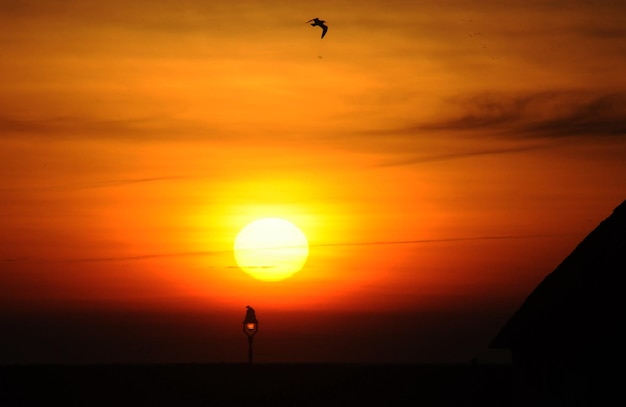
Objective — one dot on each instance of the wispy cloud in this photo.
(496, 123)
(113, 258)
(140, 128)
(425, 158)
(108, 183)
(541, 114)
(312, 245)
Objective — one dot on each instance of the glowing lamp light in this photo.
(250, 328)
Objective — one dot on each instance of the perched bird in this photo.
(320, 23)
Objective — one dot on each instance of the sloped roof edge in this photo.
(564, 298)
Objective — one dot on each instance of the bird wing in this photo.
(324, 29)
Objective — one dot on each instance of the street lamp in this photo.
(250, 328)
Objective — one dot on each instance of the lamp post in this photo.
(250, 328)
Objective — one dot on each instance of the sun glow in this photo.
(271, 249)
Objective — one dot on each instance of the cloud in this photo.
(138, 257)
(140, 128)
(107, 183)
(554, 114)
(492, 123)
(126, 181)
(604, 32)
(141, 257)
(425, 158)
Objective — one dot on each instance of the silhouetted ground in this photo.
(257, 385)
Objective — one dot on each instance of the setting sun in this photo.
(271, 249)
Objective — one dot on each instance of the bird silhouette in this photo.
(320, 23)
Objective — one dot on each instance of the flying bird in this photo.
(320, 23)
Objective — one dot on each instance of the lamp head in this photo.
(250, 323)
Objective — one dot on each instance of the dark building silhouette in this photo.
(565, 338)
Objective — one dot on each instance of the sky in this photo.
(441, 158)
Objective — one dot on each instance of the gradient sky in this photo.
(441, 157)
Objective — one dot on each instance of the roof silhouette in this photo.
(577, 310)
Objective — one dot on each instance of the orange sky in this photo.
(438, 155)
